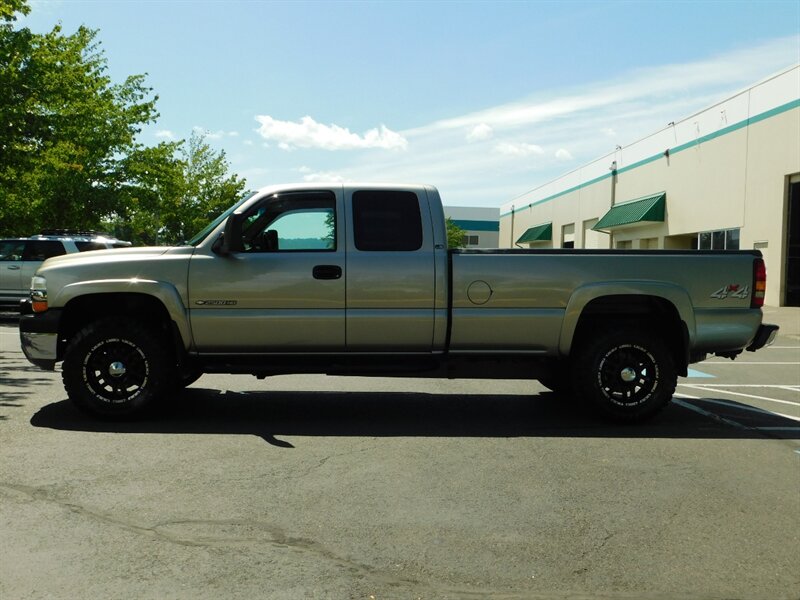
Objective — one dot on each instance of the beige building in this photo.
(727, 177)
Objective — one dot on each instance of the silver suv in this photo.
(20, 257)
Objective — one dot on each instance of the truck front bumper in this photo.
(38, 335)
(764, 337)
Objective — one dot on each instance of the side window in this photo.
(86, 246)
(292, 222)
(386, 221)
(11, 250)
(42, 250)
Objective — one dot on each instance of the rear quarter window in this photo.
(86, 246)
(42, 250)
(386, 221)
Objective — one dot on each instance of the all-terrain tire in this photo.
(627, 373)
(114, 368)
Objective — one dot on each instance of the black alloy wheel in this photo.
(114, 368)
(628, 373)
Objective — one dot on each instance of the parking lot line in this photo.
(781, 386)
(707, 413)
(748, 408)
(754, 397)
(740, 362)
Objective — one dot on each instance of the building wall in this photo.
(727, 167)
(482, 223)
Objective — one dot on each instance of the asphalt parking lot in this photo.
(377, 488)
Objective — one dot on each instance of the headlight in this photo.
(38, 294)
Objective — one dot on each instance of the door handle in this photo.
(327, 272)
(13, 268)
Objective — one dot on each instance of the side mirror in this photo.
(231, 240)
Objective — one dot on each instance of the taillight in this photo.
(759, 283)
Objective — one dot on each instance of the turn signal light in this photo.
(759, 283)
(38, 301)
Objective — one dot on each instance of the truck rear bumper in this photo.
(764, 337)
(38, 335)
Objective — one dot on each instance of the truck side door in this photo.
(390, 271)
(284, 291)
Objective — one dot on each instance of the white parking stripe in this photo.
(719, 391)
(748, 408)
(706, 413)
(788, 386)
(778, 428)
(739, 362)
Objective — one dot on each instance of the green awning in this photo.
(650, 208)
(540, 233)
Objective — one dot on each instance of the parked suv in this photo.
(20, 257)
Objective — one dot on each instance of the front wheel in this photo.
(115, 369)
(629, 374)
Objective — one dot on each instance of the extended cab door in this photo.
(391, 280)
(285, 290)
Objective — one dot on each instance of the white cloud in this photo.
(248, 142)
(588, 121)
(214, 135)
(479, 133)
(739, 68)
(563, 154)
(165, 134)
(309, 134)
(324, 176)
(518, 149)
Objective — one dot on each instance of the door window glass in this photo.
(290, 223)
(11, 250)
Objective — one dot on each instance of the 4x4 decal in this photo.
(732, 290)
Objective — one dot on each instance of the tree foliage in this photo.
(69, 154)
(455, 234)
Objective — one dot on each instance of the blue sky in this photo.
(483, 100)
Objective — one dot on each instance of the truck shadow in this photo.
(276, 414)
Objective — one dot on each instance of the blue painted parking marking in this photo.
(700, 374)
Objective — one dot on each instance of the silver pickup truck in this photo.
(358, 279)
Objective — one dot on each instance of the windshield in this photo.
(211, 226)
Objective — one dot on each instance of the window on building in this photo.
(386, 220)
(722, 239)
(470, 240)
(625, 245)
(568, 236)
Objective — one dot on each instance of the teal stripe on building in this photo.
(468, 225)
(722, 132)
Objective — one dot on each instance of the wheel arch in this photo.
(149, 302)
(664, 308)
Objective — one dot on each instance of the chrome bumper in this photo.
(40, 348)
(764, 337)
(38, 335)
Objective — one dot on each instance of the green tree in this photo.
(455, 234)
(64, 129)
(69, 154)
(173, 190)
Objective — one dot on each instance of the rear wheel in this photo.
(116, 369)
(629, 374)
